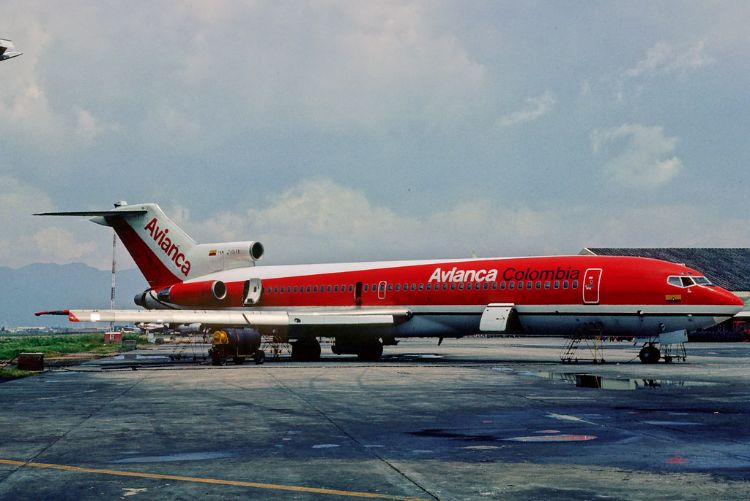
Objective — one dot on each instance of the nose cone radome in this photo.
(727, 298)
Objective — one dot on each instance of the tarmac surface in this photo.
(471, 419)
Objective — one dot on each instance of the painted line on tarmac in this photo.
(203, 480)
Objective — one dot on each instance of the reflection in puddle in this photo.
(418, 356)
(185, 456)
(134, 356)
(611, 383)
(552, 438)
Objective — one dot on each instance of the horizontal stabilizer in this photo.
(93, 213)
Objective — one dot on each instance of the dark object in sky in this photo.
(8, 50)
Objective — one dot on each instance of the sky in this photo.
(359, 130)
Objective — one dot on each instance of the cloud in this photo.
(641, 156)
(323, 221)
(536, 107)
(28, 239)
(664, 58)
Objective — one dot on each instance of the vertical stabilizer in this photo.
(160, 248)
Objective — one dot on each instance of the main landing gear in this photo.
(306, 350)
(649, 354)
(369, 349)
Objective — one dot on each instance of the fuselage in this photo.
(617, 296)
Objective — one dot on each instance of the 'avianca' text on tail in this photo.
(364, 306)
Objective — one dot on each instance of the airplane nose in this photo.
(729, 299)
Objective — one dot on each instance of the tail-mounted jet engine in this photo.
(199, 294)
(227, 255)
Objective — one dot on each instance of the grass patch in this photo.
(57, 345)
(13, 373)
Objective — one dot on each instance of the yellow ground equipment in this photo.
(237, 344)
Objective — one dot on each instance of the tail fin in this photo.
(160, 248)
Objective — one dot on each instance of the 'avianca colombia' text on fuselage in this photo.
(617, 296)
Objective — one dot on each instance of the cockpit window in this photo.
(687, 281)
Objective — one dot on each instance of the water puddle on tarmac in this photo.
(583, 380)
(184, 456)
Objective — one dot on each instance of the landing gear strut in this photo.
(306, 350)
(649, 354)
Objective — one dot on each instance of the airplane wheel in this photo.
(259, 357)
(371, 352)
(649, 354)
(306, 350)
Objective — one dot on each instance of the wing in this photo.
(239, 318)
(8, 50)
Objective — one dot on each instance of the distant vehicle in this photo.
(8, 50)
(365, 306)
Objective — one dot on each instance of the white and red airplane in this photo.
(367, 305)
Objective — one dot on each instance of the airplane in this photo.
(7, 50)
(364, 306)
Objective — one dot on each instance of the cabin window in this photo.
(539, 285)
(461, 286)
(547, 284)
(398, 287)
(275, 290)
(295, 289)
(315, 288)
(373, 288)
(557, 284)
(421, 287)
(565, 284)
(453, 287)
(494, 285)
(307, 289)
(390, 287)
(520, 285)
(445, 286)
(511, 285)
(502, 285)
(574, 285)
(486, 286)
(335, 288)
(366, 287)
(529, 285)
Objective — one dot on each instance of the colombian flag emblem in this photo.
(212, 252)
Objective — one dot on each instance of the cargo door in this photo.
(591, 282)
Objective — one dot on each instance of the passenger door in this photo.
(591, 282)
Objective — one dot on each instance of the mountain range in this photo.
(38, 287)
